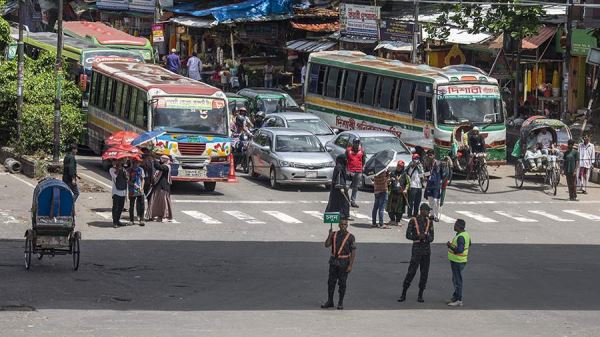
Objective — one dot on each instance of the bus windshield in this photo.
(469, 103)
(191, 114)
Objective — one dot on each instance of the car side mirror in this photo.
(336, 131)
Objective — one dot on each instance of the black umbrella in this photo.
(379, 162)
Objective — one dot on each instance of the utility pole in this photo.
(58, 71)
(567, 60)
(518, 77)
(415, 32)
(20, 69)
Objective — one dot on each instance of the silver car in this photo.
(372, 142)
(289, 156)
(303, 121)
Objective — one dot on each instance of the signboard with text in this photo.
(158, 34)
(331, 217)
(396, 30)
(359, 20)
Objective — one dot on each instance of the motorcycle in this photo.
(240, 150)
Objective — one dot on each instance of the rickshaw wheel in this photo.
(484, 179)
(28, 252)
(519, 174)
(75, 252)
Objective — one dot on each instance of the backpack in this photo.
(121, 180)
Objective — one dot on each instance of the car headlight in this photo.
(330, 164)
(284, 163)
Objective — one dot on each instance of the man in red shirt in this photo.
(356, 160)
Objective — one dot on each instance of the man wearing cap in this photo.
(476, 145)
(458, 251)
(415, 174)
(343, 252)
(420, 231)
(356, 160)
(173, 61)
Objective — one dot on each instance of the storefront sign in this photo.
(158, 33)
(359, 20)
(581, 42)
(395, 30)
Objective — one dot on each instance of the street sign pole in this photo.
(57, 100)
(20, 69)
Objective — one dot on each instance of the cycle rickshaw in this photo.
(460, 153)
(550, 158)
(53, 223)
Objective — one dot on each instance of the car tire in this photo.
(273, 178)
(209, 186)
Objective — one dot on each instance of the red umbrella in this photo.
(122, 151)
(121, 137)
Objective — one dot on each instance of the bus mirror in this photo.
(83, 82)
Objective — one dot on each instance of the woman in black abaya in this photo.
(338, 196)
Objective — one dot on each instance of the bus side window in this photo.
(367, 89)
(321, 79)
(102, 96)
(313, 78)
(125, 102)
(386, 92)
(117, 100)
(424, 105)
(333, 82)
(132, 104)
(93, 88)
(405, 96)
(140, 111)
(350, 85)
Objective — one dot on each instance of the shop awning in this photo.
(308, 46)
(395, 46)
(531, 42)
(461, 36)
(317, 27)
(193, 22)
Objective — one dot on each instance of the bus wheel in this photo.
(209, 186)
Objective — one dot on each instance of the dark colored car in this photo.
(269, 100)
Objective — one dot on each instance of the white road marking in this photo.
(354, 214)
(105, 215)
(7, 218)
(94, 179)
(204, 218)
(514, 216)
(282, 217)
(23, 180)
(287, 202)
(550, 216)
(244, 217)
(476, 216)
(582, 214)
(447, 219)
(316, 214)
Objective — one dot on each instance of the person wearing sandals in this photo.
(398, 194)
(136, 192)
(380, 187)
(160, 203)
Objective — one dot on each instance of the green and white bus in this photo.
(420, 104)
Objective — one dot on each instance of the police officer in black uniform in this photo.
(420, 231)
(343, 252)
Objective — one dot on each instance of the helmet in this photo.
(260, 115)
(476, 128)
(242, 110)
(356, 141)
(240, 120)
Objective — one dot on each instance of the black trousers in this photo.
(418, 260)
(414, 201)
(117, 208)
(138, 202)
(339, 275)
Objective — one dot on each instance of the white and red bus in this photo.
(142, 97)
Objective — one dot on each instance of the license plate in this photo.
(194, 173)
(311, 174)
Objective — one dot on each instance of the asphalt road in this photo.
(248, 260)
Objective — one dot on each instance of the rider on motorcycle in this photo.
(476, 145)
(242, 122)
(259, 119)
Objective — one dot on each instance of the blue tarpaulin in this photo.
(251, 9)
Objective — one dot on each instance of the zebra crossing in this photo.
(259, 217)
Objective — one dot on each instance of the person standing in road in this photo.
(148, 167)
(69, 176)
(415, 175)
(420, 231)
(343, 253)
(356, 160)
(173, 61)
(398, 194)
(571, 167)
(433, 190)
(268, 70)
(160, 203)
(458, 251)
(380, 187)
(338, 195)
(136, 192)
(119, 191)
(587, 155)
(194, 67)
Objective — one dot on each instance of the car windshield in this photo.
(289, 102)
(199, 115)
(235, 105)
(453, 108)
(270, 105)
(314, 125)
(563, 135)
(298, 143)
(373, 145)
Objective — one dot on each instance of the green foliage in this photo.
(38, 111)
(4, 30)
(37, 125)
(519, 21)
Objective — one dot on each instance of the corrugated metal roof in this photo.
(308, 46)
(317, 27)
(532, 42)
(194, 22)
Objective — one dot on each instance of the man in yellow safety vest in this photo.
(458, 251)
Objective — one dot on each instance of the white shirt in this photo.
(587, 155)
(113, 177)
(415, 176)
(545, 139)
(194, 64)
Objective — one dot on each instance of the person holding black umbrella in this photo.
(338, 195)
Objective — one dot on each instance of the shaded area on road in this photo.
(220, 275)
